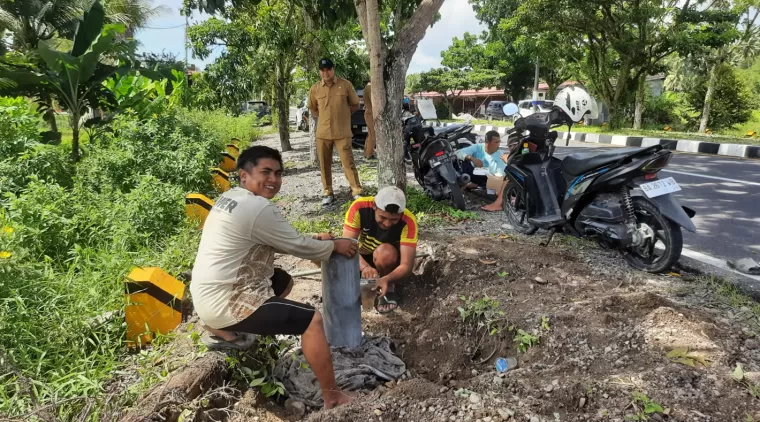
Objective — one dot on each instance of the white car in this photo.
(526, 107)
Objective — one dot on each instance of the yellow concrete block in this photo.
(233, 149)
(197, 207)
(220, 180)
(154, 304)
(228, 162)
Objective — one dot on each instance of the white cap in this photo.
(391, 195)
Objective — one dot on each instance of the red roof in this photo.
(487, 92)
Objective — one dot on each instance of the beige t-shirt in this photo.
(231, 275)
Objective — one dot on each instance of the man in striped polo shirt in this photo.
(387, 234)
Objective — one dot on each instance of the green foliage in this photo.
(732, 100)
(525, 340)
(18, 126)
(255, 368)
(482, 314)
(670, 109)
(442, 110)
(429, 210)
(451, 82)
(644, 406)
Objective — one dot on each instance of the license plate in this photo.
(660, 187)
(365, 129)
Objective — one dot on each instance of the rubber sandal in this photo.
(243, 341)
(390, 298)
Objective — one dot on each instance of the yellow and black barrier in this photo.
(154, 304)
(197, 207)
(233, 149)
(220, 179)
(228, 162)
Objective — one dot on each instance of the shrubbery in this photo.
(70, 233)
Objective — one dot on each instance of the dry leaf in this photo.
(738, 373)
(697, 358)
(482, 261)
(674, 274)
(678, 352)
(686, 361)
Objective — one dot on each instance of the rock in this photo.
(505, 413)
(474, 372)
(474, 398)
(442, 390)
(498, 380)
(540, 280)
(487, 419)
(607, 349)
(549, 388)
(535, 419)
(581, 402)
(378, 412)
(555, 383)
(295, 408)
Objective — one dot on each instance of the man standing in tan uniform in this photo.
(369, 144)
(332, 100)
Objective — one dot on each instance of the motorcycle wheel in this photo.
(648, 257)
(456, 196)
(515, 210)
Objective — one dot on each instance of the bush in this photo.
(442, 110)
(224, 127)
(732, 100)
(670, 109)
(18, 127)
(44, 163)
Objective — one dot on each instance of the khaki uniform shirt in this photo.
(235, 261)
(333, 104)
(368, 100)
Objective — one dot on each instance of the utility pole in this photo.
(535, 89)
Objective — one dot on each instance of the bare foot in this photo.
(492, 207)
(337, 398)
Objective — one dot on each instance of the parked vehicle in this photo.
(302, 116)
(494, 110)
(260, 108)
(615, 197)
(526, 107)
(433, 158)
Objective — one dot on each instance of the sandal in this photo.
(390, 299)
(242, 341)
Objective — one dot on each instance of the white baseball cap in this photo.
(392, 196)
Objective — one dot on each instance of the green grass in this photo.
(735, 135)
(731, 295)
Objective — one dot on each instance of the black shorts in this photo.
(277, 315)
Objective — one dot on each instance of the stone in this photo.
(378, 412)
(549, 388)
(295, 408)
(582, 402)
(555, 383)
(498, 380)
(505, 413)
(607, 349)
(535, 419)
(487, 419)
(540, 280)
(474, 398)
(474, 372)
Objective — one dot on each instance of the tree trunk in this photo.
(283, 110)
(449, 106)
(390, 147)
(639, 102)
(313, 140)
(550, 91)
(49, 117)
(74, 121)
(708, 98)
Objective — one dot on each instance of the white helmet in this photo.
(576, 102)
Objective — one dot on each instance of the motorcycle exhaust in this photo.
(463, 179)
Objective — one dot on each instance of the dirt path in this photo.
(595, 334)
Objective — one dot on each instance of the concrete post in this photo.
(341, 299)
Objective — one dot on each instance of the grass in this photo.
(736, 135)
(730, 295)
(430, 211)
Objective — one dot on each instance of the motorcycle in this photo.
(302, 117)
(459, 132)
(433, 158)
(615, 197)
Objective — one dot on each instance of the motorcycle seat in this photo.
(581, 162)
(447, 129)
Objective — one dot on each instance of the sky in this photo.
(166, 33)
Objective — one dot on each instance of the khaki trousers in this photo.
(369, 145)
(325, 154)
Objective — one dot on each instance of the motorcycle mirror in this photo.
(510, 109)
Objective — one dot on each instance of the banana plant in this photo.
(75, 78)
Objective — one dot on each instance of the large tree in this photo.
(390, 47)
(450, 83)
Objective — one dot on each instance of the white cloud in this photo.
(457, 17)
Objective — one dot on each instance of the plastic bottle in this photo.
(505, 364)
(526, 148)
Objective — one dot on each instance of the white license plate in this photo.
(660, 187)
(365, 129)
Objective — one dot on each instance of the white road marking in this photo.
(715, 262)
(712, 177)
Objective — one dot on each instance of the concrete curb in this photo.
(682, 145)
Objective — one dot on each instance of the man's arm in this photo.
(406, 267)
(353, 99)
(466, 154)
(271, 228)
(312, 104)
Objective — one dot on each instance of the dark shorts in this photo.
(277, 315)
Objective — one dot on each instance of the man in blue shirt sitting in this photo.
(487, 157)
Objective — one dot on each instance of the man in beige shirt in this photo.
(235, 287)
(332, 101)
(369, 144)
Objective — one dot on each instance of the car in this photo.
(260, 108)
(494, 110)
(526, 107)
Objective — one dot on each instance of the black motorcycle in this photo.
(435, 163)
(460, 133)
(615, 197)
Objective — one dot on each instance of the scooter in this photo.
(615, 197)
(436, 166)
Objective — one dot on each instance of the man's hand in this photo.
(324, 236)
(475, 161)
(382, 286)
(505, 157)
(370, 273)
(345, 247)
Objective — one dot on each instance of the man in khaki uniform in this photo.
(332, 100)
(369, 144)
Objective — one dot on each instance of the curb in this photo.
(682, 145)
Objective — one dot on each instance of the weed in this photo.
(367, 173)
(503, 274)
(644, 407)
(482, 315)
(683, 356)
(738, 376)
(429, 211)
(731, 295)
(255, 368)
(525, 341)
(325, 223)
(545, 323)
